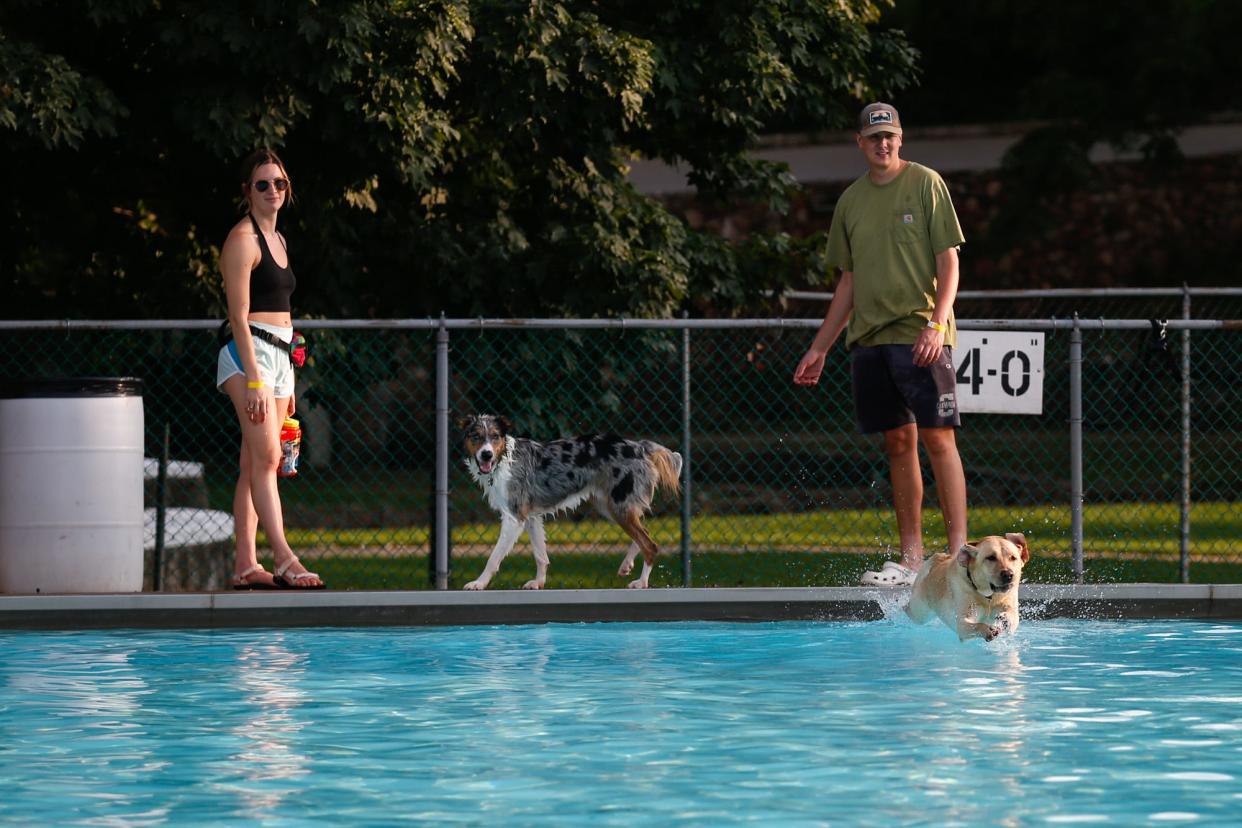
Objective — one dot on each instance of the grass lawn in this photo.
(1123, 542)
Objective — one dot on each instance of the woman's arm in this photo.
(237, 260)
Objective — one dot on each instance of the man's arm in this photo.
(928, 346)
(946, 285)
(835, 319)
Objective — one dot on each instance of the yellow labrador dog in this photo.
(975, 591)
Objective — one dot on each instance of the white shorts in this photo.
(275, 369)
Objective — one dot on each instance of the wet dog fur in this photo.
(525, 481)
(974, 591)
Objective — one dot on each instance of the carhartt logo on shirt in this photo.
(908, 218)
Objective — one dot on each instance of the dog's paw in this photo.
(533, 584)
(638, 584)
(626, 569)
(475, 586)
(992, 632)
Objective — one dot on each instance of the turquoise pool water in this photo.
(688, 724)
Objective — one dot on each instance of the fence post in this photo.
(1076, 496)
(441, 524)
(685, 453)
(1185, 539)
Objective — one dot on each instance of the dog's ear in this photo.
(461, 421)
(966, 554)
(506, 427)
(1019, 540)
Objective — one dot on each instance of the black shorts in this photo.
(890, 391)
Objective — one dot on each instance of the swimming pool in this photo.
(675, 724)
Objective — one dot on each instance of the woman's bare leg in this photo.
(260, 457)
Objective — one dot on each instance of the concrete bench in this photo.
(184, 482)
(198, 542)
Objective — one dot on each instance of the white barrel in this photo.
(71, 471)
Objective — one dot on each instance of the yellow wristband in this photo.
(252, 384)
(936, 326)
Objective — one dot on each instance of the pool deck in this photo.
(424, 608)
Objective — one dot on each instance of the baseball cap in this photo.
(878, 117)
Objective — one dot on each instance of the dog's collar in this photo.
(970, 577)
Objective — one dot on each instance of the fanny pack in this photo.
(296, 348)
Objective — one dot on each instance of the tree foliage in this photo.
(448, 155)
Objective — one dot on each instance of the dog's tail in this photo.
(667, 466)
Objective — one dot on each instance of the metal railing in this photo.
(1130, 472)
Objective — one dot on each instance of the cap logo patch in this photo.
(880, 116)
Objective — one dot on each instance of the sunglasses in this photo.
(281, 184)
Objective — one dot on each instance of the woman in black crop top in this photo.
(257, 374)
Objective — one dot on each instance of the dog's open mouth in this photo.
(485, 466)
(1001, 587)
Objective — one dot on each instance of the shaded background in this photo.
(471, 157)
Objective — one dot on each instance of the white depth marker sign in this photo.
(999, 372)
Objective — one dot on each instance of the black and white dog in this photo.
(524, 481)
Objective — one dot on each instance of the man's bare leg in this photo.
(901, 444)
(941, 446)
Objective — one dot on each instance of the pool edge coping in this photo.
(434, 608)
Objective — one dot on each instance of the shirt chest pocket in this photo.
(908, 226)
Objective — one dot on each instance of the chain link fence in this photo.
(1064, 303)
(780, 489)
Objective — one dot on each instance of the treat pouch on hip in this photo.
(296, 348)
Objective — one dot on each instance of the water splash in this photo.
(892, 604)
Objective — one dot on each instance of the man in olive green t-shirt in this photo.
(894, 235)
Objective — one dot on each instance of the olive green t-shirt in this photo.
(889, 235)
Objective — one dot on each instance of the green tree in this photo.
(466, 157)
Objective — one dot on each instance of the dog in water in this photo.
(525, 481)
(975, 591)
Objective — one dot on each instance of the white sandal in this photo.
(890, 575)
(291, 582)
(240, 580)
